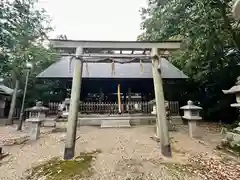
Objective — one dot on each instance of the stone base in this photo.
(65, 114)
(96, 120)
(193, 130)
(35, 131)
(115, 124)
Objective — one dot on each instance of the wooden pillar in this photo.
(129, 95)
(74, 106)
(161, 122)
(124, 102)
(101, 95)
(129, 100)
(119, 99)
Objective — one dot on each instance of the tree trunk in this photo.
(13, 104)
(227, 23)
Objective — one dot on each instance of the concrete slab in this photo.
(115, 124)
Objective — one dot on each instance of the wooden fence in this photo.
(174, 108)
(112, 108)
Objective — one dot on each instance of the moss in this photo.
(57, 169)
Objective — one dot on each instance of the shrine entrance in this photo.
(116, 52)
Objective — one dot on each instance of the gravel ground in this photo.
(126, 154)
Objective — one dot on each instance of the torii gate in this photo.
(88, 51)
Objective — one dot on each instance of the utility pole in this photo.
(74, 106)
(161, 123)
(29, 67)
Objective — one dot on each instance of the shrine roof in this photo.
(63, 68)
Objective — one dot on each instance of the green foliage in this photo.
(46, 90)
(23, 31)
(210, 47)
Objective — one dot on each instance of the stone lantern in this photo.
(37, 114)
(191, 113)
(234, 136)
(235, 90)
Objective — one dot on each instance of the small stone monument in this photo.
(191, 113)
(36, 115)
(154, 111)
(234, 136)
(66, 104)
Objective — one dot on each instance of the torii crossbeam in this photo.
(87, 51)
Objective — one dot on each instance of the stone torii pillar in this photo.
(74, 106)
(161, 123)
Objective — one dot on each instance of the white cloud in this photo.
(95, 19)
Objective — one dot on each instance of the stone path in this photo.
(126, 154)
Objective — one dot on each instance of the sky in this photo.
(95, 19)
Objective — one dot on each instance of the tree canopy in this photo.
(23, 31)
(210, 47)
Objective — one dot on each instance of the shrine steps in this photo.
(117, 121)
(127, 120)
(113, 121)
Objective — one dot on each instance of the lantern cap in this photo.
(38, 108)
(190, 106)
(235, 89)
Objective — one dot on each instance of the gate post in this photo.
(161, 122)
(74, 106)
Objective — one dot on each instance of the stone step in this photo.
(49, 122)
(115, 124)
